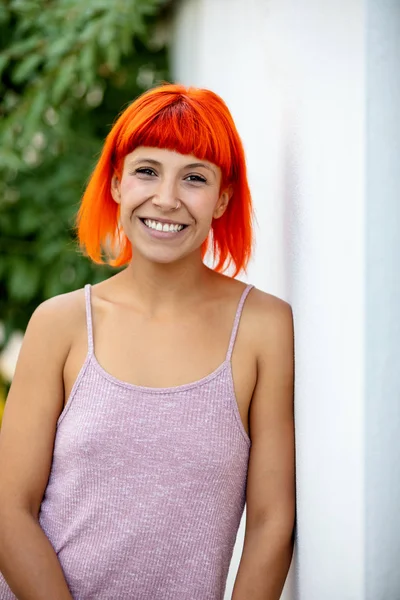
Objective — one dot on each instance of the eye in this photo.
(195, 179)
(144, 171)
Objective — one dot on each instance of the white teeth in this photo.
(163, 226)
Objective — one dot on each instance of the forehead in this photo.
(167, 157)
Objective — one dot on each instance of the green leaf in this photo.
(106, 36)
(24, 6)
(4, 14)
(113, 56)
(34, 113)
(29, 221)
(61, 46)
(65, 79)
(91, 31)
(9, 159)
(4, 59)
(21, 48)
(23, 281)
(38, 103)
(50, 250)
(126, 40)
(87, 61)
(26, 68)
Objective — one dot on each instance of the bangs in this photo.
(184, 128)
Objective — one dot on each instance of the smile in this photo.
(158, 226)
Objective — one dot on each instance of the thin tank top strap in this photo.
(237, 320)
(89, 324)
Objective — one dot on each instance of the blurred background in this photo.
(67, 69)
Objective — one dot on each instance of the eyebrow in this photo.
(156, 163)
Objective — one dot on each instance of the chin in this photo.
(161, 259)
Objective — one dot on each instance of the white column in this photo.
(322, 48)
(382, 324)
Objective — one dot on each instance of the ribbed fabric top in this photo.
(147, 485)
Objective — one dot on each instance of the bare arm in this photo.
(27, 559)
(270, 512)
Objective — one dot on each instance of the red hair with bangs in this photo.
(189, 121)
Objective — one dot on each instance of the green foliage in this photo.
(67, 69)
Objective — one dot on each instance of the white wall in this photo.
(314, 87)
(324, 77)
(383, 302)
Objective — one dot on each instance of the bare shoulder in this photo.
(58, 318)
(60, 309)
(267, 305)
(270, 319)
(49, 337)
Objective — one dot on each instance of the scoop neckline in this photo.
(158, 390)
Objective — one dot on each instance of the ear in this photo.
(115, 189)
(223, 202)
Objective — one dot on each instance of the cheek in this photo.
(128, 186)
(202, 202)
(133, 193)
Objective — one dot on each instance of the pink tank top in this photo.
(147, 485)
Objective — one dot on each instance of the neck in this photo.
(166, 288)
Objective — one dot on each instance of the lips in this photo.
(163, 235)
(160, 220)
(158, 226)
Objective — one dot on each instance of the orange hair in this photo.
(190, 121)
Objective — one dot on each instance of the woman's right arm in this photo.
(28, 561)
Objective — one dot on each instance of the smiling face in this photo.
(167, 202)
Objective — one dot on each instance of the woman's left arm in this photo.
(270, 495)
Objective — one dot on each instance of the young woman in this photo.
(147, 409)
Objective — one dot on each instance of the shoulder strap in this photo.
(237, 319)
(89, 317)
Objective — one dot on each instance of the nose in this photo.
(166, 197)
